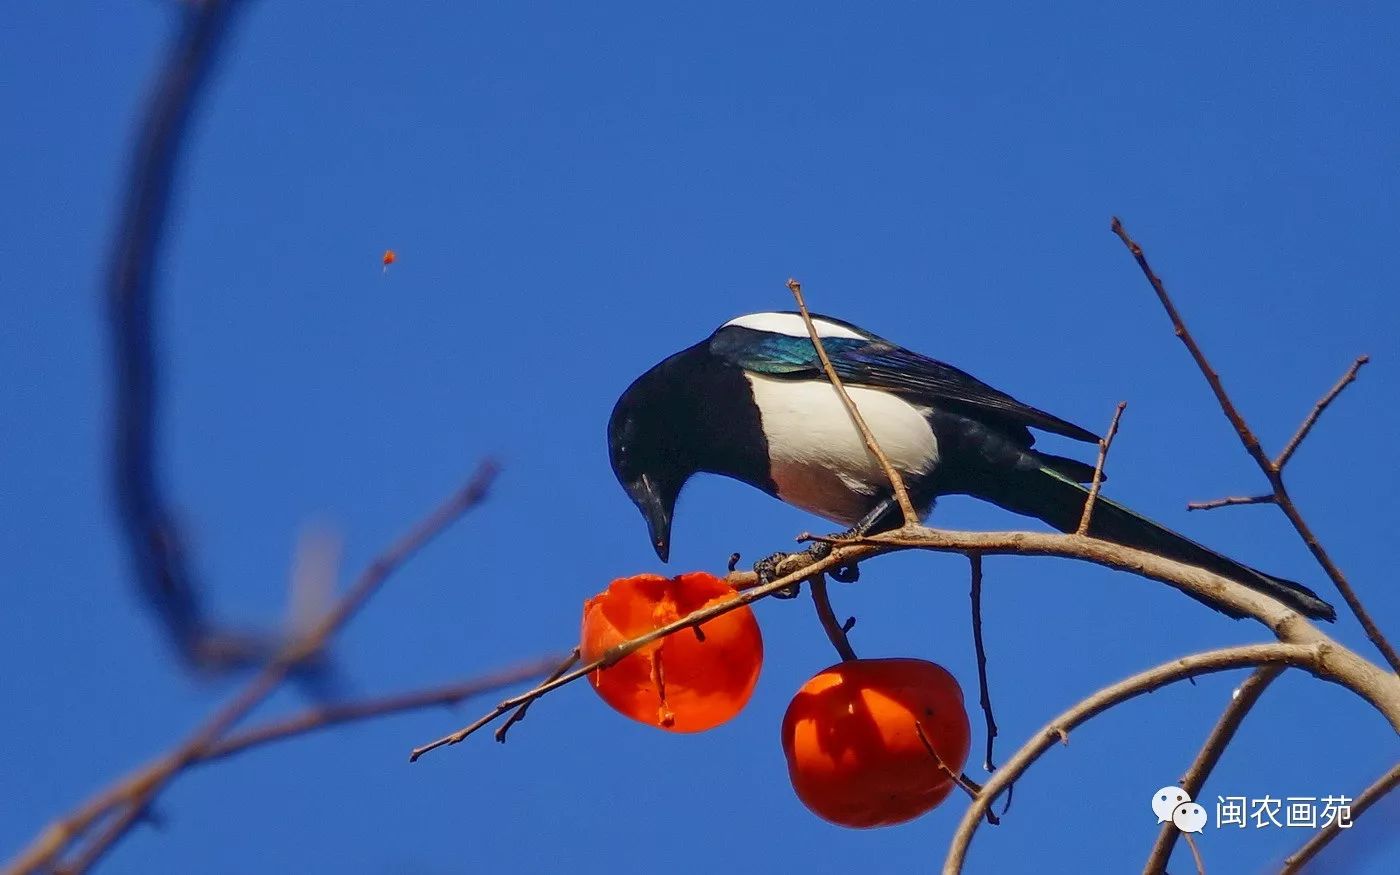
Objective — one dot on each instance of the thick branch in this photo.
(1312, 657)
(1215, 744)
(1341, 666)
(1271, 469)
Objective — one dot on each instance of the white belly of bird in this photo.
(818, 459)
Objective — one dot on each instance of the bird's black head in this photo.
(652, 441)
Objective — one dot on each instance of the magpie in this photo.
(752, 402)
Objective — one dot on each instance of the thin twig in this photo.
(1104, 443)
(1270, 469)
(564, 665)
(1311, 657)
(1195, 853)
(969, 786)
(1321, 405)
(1230, 501)
(834, 630)
(901, 495)
(985, 696)
(146, 785)
(1323, 837)
(158, 553)
(1220, 737)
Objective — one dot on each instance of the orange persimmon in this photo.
(851, 736)
(690, 681)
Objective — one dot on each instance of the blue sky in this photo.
(574, 192)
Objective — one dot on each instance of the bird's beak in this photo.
(656, 505)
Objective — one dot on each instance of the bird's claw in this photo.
(767, 571)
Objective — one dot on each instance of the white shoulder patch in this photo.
(792, 325)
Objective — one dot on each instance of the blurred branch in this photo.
(1368, 797)
(1272, 469)
(1312, 657)
(1215, 744)
(139, 790)
(327, 716)
(158, 555)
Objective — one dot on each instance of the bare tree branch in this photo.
(564, 665)
(1220, 737)
(151, 781)
(1341, 665)
(1312, 657)
(1321, 405)
(1104, 443)
(834, 630)
(159, 558)
(901, 494)
(1368, 797)
(966, 784)
(338, 713)
(1230, 501)
(983, 689)
(1271, 469)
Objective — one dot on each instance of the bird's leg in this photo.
(881, 518)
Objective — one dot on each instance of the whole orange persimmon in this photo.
(851, 736)
(689, 681)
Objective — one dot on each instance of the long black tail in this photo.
(1059, 501)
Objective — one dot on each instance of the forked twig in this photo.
(1271, 469)
(519, 714)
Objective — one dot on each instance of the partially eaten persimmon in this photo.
(689, 681)
(858, 737)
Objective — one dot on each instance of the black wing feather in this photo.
(876, 363)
